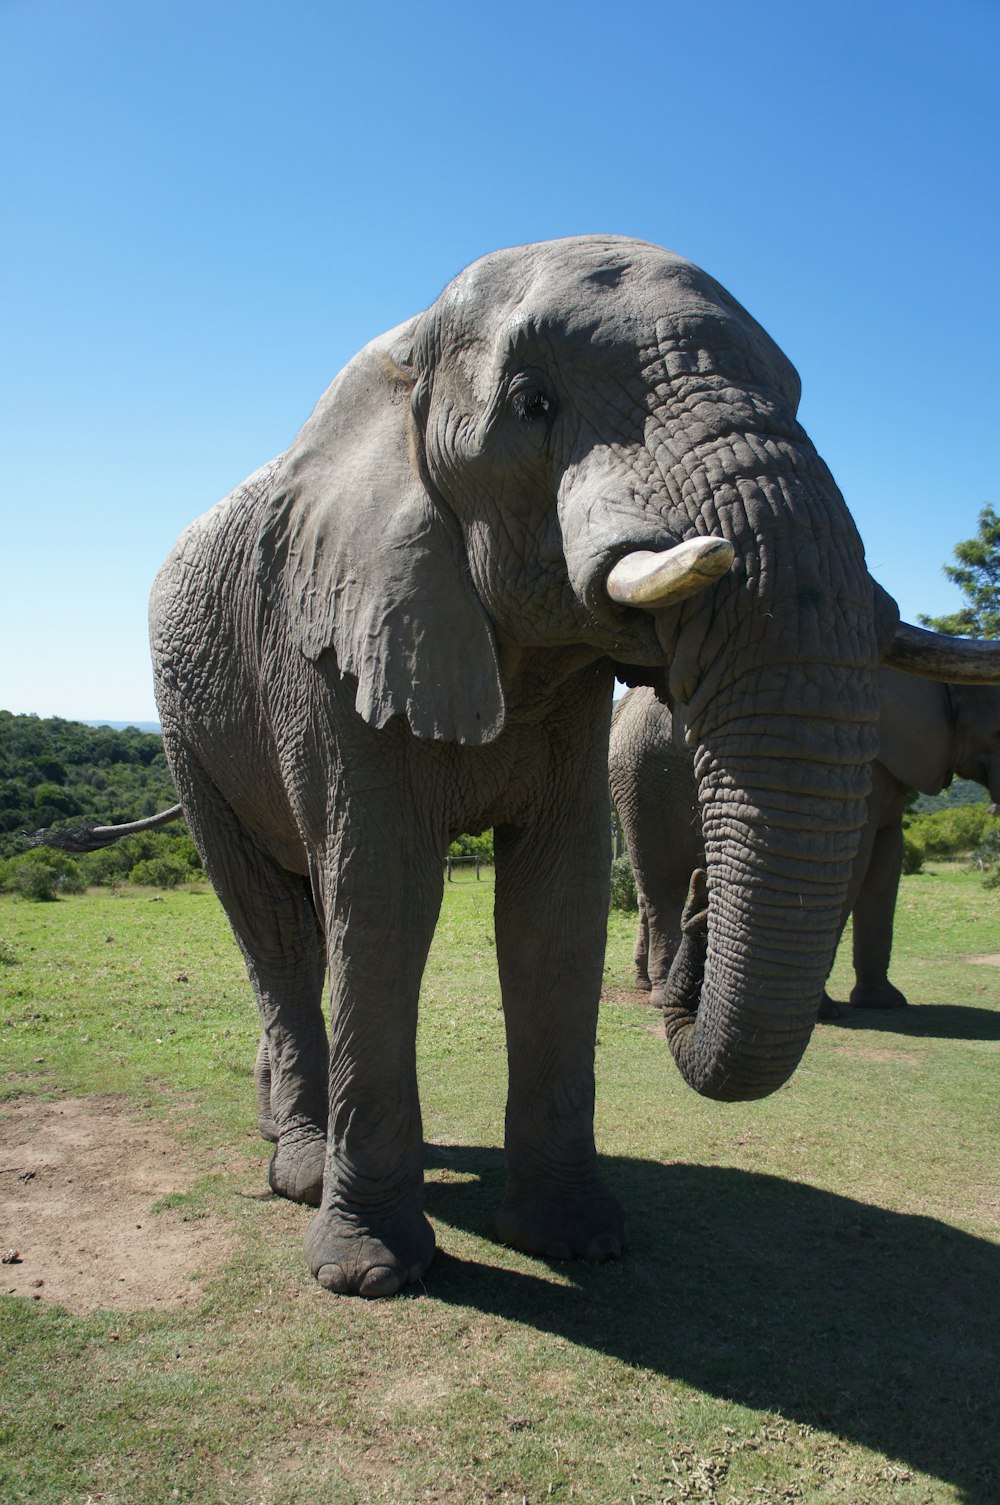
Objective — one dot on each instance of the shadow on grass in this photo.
(881, 1327)
(931, 1021)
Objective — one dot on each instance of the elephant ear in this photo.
(915, 730)
(364, 561)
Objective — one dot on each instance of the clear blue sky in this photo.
(209, 206)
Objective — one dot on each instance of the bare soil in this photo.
(993, 960)
(79, 1180)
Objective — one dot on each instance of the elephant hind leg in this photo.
(272, 915)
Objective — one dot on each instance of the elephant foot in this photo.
(267, 1129)
(642, 982)
(828, 1009)
(588, 1225)
(877, 995)
(296, 1169)
(375, 1257)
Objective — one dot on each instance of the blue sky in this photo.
(209, 207)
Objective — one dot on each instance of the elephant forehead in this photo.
(573, 282)
(594, 296)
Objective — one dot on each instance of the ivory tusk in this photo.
(934, 655)
(655, 580)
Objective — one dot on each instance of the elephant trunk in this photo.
(745, 987)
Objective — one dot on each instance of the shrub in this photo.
(987, 855)
(470, 846)
(913, 853)
(623, 893)
(160, 872)
(953, 832)
(114, 864)
(41, 875)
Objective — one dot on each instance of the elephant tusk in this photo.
(933, 655)
(655, 580)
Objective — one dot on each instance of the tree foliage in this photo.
(55, 772)
(977, 575)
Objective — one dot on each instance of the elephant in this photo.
(582, 460)
(929, 732)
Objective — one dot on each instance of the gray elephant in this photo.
(928, 733)
(583, 456)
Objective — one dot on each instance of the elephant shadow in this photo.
(929, 1021)
(877, 1326)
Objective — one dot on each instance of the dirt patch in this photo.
(625, 995)
(78, 1183)
(993, 960)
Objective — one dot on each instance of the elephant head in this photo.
(588, 447)
(931, 732)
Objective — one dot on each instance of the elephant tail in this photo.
(88, 838)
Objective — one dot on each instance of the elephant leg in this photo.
(275, 924)
(663, 925)
(551, 923)
(640, 952)
(828, 1009)
(262, 1087)
(873, 918)
(381, 901)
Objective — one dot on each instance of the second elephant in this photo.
(928, 733)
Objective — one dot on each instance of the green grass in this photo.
(808, 1310)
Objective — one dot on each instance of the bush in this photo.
(623, 892)
(41, 876)
(473, 846)
(913, 853)
(987, 856)
(951, 833)
(160, 872)
(114, 864)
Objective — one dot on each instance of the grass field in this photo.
(808, 1311)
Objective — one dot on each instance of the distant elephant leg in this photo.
(663, 922)
(551, 920)
(828, 1009)
(640, 952)
(272, 916)
(262, 1087)
(381, 880)
(873, 918)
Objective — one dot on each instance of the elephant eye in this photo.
(531, 403)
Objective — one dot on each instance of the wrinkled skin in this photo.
(405, 628)
(928, 733)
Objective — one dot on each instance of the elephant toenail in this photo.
(332, 1278)
(380, 1281)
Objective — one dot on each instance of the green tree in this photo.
(977, 575)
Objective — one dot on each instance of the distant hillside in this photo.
(56, 772)
(959, 792)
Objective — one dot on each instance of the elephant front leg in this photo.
(551, 921)
(370, 1235)
(874, 911)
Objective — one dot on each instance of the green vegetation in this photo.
(54, 772)
(64, 774)
(958, 792)
(623, 890)
(952, 832)
(807, 1312)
